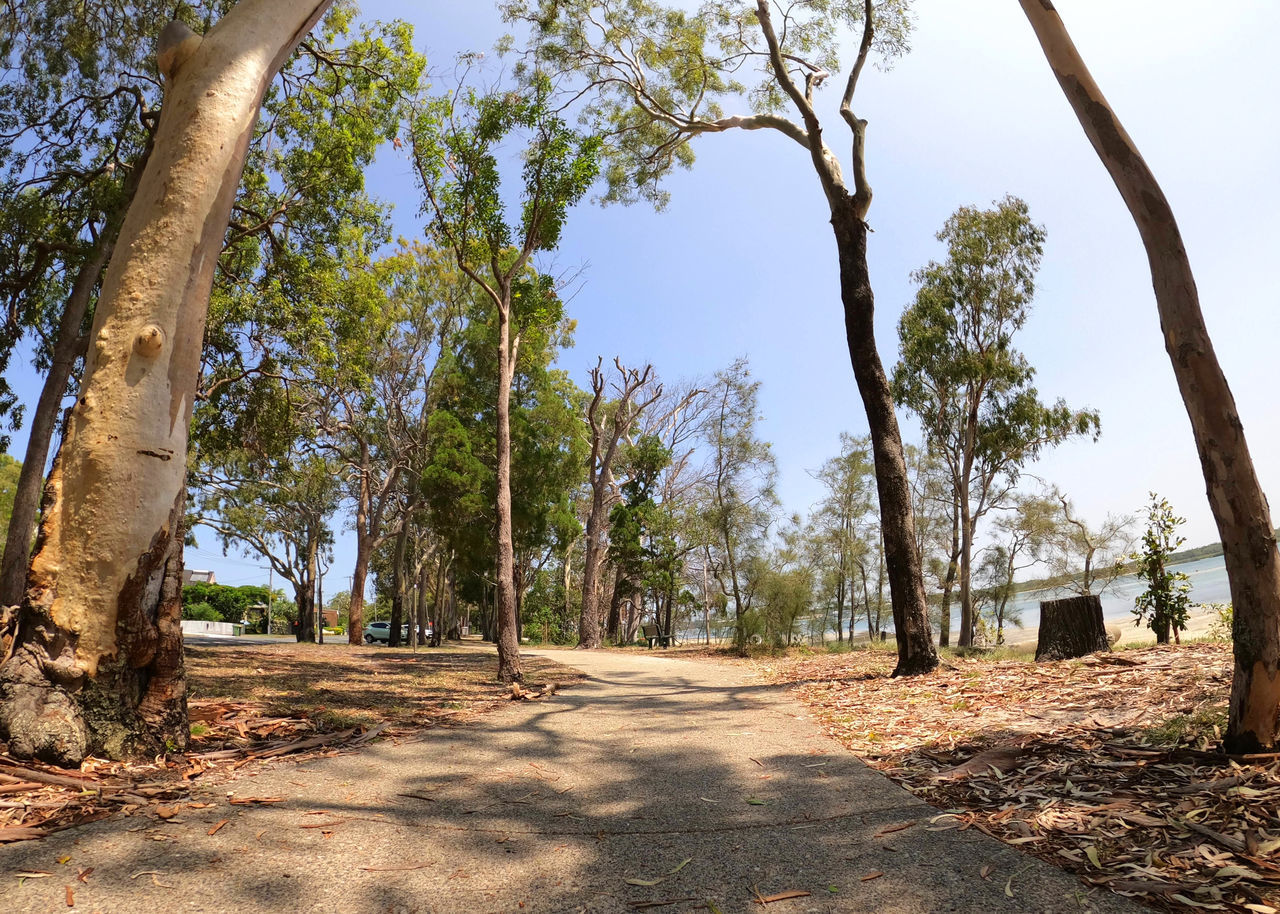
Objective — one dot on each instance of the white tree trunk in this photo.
(94, 665)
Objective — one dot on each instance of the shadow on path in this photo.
(684, 775)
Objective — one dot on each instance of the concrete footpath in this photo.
(704, 789)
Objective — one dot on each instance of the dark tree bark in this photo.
(916, 653)
(1071, 627)
(1239, 506)
(849, 209)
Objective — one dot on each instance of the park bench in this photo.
(652, 633)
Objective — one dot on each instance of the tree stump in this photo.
(1071, 628)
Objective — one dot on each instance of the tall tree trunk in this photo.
(96, 663)
(398, 579)
(68, 346)
(305, 593)
(439, 626)
(966, 571)
(1236, 498)
(359, 578)
(505, 603)
(420, 614)
(953, 566)
(589, 617)
(906, 585)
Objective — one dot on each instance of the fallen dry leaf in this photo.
(218, 827)
(876, 874)
(782, 896)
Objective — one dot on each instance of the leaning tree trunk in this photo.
(1071, 627)
(906, 586)
(68, 346)
(96, 664)
(1236, 498)
(505, 601)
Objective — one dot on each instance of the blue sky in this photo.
(743, 263)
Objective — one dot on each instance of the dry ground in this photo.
(1106, 766)
(250, 704)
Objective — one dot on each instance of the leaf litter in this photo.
(1105, 766)
(254, 705)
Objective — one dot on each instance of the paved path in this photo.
(551, 806)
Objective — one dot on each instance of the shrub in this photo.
(1220, 630)
(201, 612)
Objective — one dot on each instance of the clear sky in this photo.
(743, 262)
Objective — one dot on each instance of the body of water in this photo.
(1208, 585)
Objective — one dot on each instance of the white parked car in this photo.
(381, 631)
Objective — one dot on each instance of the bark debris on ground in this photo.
(1106, 766)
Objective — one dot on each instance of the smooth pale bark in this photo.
(1235, 497)
(507, 637)
(68, 346)
(97, 661)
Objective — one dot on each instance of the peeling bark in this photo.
(96, 665)
(1239, 506)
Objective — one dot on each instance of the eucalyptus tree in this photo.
(1023, 532)
(1235, 496)
(607, 423)
(280, 510)
(302, 189)
(456, 143)
(961, 375)
(96, 663)
(1164, 605)
(849, 480)
(937, 528)
(661, 75)
(379, 402)
(1084, 559)
(740, 500)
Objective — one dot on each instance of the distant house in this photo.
(329, 618)
(191, 576)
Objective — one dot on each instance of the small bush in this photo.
(201, 612)
(1220, 630)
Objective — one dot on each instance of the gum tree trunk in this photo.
(96, 664)
(1236, 498)
(505, 598)
(916, 653)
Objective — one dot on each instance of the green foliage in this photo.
(201, 612)
(456, 142)
(9, 471)
(656, 75)
(1165, 605)
(740, 495)
(1223, 623)
(230, 603)
(546, 618)
(958, 369)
